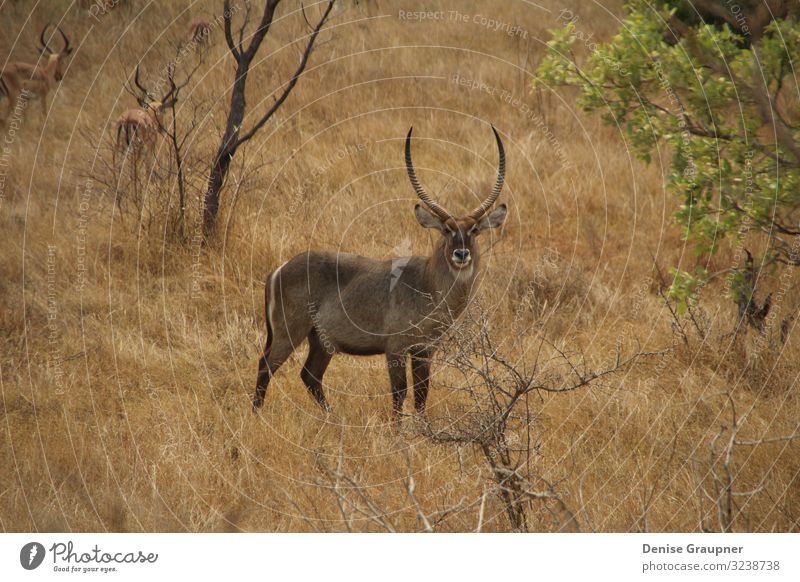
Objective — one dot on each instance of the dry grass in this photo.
(128, 365)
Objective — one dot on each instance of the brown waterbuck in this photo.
(356, 305)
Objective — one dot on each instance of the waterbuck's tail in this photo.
(264, 373)
(269, 328)
(269, 305)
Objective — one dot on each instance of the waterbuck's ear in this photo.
(427, 219)
(493, 219)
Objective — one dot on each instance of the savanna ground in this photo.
(129, 350)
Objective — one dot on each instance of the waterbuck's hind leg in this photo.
(274, 355)
(396, 364)
(317, 362)
(287, 326)
(263, 377)
(421, 373)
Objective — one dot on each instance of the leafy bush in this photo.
(715, 83)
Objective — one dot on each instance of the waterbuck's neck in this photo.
(446, 283)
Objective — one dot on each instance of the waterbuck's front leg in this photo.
(421, 372)
(396, 364)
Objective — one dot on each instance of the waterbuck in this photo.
(356, 305)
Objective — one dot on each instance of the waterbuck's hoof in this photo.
(257, 403)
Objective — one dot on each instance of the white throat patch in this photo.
(463, 273)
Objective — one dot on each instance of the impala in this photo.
(35, 80)
(138, 128)
(356, 305)
(200, 33)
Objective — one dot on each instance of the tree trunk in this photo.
(226, 151)
(232, 139)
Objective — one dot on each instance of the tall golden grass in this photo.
(129, 354)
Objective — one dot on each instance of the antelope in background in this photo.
(200, 34)
(137, 129)
(355, 305)
(35, 81)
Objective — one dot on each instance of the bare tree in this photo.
(178, 138)
(234, 135)
(724, 495)
(359, 510)
(499, 418)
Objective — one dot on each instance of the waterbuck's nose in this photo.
(461, 255)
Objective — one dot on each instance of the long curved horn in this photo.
(145, 92)
(45, 48)
(412, 175)
(501, 176)
(67, 46)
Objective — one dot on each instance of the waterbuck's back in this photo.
(357, 305)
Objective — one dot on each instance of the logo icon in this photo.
(31, 555)
(398, 264)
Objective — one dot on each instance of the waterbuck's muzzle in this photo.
(461, 257)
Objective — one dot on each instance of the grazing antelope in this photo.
(35, 80)
(200, 34)
(361, 306)
(137, 129)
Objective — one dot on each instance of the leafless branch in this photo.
(721, 468)
(498, 420)
(410, 490)
(293, 81)
(764, 441)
